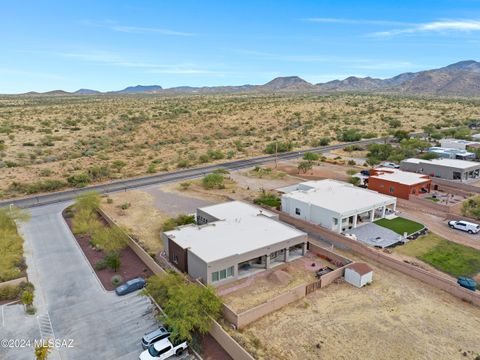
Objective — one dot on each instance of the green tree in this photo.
(109, 239)
(42, 351)
(279, 147)
(188, 307)
(304, 166)
(118, 165)
(27, 298)
(112, 260)
(354, 180)
(350, 135)
(399, 135)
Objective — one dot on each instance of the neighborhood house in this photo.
(335, 205)
(398, 183)
(232, 240)
(449, 153)
(458, 144)
(449, 169)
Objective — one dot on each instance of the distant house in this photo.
(457, 144)
(449, 169)
(452, 153)
(358, 274)
(335, 205)
(398, 183)
(232, 240)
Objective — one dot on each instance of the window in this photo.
(222, 274)
(297, 211)
(392, 189)
(163, 351)
(335, 221)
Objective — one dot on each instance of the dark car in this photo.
(130, 286)
(365, 172)
(467, 283)
(154, 336)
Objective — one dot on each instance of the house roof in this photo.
(454, 163)
(399, 176)
(360, 268)
(244, 228)
(338, 196)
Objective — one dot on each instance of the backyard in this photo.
(444, 255)
(343, 322)
(400, 225)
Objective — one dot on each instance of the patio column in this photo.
(383, 211)
(287, 253)
(355, 220)
(340, 224)
(372, 215)
(267, 261)
(304, 248)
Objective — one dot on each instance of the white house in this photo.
(336, 205)
(457, 143)
(358, 274)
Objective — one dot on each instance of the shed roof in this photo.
(399, 176)
(360, 268)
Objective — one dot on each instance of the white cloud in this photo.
(435, 26)
(113, 25)
(355, 21)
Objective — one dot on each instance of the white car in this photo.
(469, 227)
(390, 165)
(163, 349)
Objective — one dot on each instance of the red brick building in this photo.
(400, 184)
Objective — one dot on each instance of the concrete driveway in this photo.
(72, 305)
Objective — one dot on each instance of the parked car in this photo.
(365, 173)
(130, 286)
(469, 227)
(390, 165)
(467, 283)
(163, 349)
(154, 336)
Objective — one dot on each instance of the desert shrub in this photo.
(116, 280)
(324, 141)
(101, 265)
(183, 163)
(79, 180)
(113, 261)
(304, 166)
(310, 156)
(278, 146)
(215, 154)
(350, 135)
(151, 168)
(180, 220)
(268, 199)
(10, 292)
(213, 180)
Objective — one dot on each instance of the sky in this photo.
(108, 45)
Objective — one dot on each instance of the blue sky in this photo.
(108, 45)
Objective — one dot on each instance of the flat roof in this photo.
(459, 164)
(443, 150)
(399, 176)
(239, 233)
(340, 197)
(234, 210)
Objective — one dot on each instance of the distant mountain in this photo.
(86, 92)
(459, 79)
(287, 83)
(140, 89)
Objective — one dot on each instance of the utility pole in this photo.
(276, 154)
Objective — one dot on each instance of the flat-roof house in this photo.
(358, 274)
(335, 205)
(232, 240)
(449, 153)
(449, 169)
(398, 183)
(457, 144)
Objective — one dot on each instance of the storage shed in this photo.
(358, 274)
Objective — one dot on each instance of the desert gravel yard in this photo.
(397, 317)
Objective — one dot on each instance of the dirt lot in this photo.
(244, 294)
(396, 317)
(322, 170)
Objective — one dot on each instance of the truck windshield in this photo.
(152, 351)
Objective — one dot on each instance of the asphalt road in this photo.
(72, 305)
(185, 174)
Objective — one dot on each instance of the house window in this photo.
(222, 274)
(175, 258)
(392, 189)
(335, 221)
(297, 211)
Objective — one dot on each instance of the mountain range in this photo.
(459, 79)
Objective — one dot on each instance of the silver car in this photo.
(154, 336)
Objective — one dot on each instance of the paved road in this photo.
(172, 176)
(69, 296)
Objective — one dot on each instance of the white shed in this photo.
(358, 274)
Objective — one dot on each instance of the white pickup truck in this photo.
(469, 227)
(163, 349)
